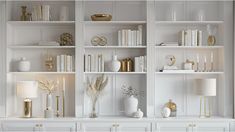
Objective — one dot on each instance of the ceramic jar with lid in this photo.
(24, 65)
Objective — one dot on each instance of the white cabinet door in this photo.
(20, 127)
(173, 127)
(211, 127)
(97, 127)
(133, 127)
(58, 127)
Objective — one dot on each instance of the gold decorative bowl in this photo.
(101, 17)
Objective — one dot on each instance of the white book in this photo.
(119, 38)
(58, 63)
(102, 63)
(181, 38)
(145, 63)
(68, 63)
(62, 62)
(123, 37)
(140, 29)
(137, 64)
(199, 38)
(72, 63)
(141, 64)
(129, 37)
(138, 38)
(89, 63)
(188, 37)
(99, 65)
(194, 38)
(134, 38)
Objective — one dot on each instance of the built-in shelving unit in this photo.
(22, 38)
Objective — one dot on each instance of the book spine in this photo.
(193, 38)
(189, 37)
(68, 63)
(99, 63)
(58, 63)
(129, 38)
(181, 38)
(136, 64)
(123, 37)
(199, 38)
(145, 63)
(62, 61)
(140, 29)
(119, 38)
(89, 63)
(135, 40)
(138, 38)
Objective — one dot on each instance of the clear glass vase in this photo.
(93, 113)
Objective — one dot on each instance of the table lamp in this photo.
(205, 88)
(27, 90)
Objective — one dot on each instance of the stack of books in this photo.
(128, 37)
(190, 37)
(94, 63)
(64, 63)
(140, 64)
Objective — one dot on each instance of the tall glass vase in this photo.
(93, 113)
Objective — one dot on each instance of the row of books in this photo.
(94, 63)
(64, 63)
(190, 37)
(128, 37)
(140, 64)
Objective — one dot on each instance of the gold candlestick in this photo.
(57, 106)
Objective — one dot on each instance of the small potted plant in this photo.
(131, 101)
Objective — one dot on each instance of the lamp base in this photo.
(27, 108)
(207, 109)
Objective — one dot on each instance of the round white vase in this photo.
(115, 65)
(131, 105)
(23, 65)
(166, 112)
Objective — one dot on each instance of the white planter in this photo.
(23, 65)
(131, 105)
(115, 65)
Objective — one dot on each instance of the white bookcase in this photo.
(158, 87)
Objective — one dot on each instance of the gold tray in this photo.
(101, 17)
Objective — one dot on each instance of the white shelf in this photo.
(189, 47)
(115, 22)
(56, 23)
(115, 47)
(190, 22)
(190, 73)
(19, 73)
(41, 47)
(117, 73)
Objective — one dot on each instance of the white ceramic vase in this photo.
(131, 105)
(115, 65)
(23, 65)
(48, 113)
(166, 112)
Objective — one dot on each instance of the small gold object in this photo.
(49, 63)
(28, 108)
(24, 14)
(101, 17)
(211, 40)
(129, 65)
(192, 62)
(124, 65)
(66, 39)
(101, 41)
(170, 60)
(172, 106)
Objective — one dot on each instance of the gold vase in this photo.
(211, 40)
(172, 106)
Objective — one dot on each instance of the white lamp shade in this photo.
(205, 87)
(27, 89)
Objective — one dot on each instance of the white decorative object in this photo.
(188, 66)
(138, 114)
(24, 65)
(115, 64)
(131, 105)
(64, 13)
(166, 112)
(46, 13)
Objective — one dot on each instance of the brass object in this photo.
(66, 39)
(124, 65)
(49, 63)
(172, 106)
(129, 65)
(23, 16)
(28, 108)
(192, 62)
(101, 41)
(211, 40)
(57, 106)
(101, 17)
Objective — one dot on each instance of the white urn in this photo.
(24, 65)
(115, 65)
(130, 105)
(138, 114)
